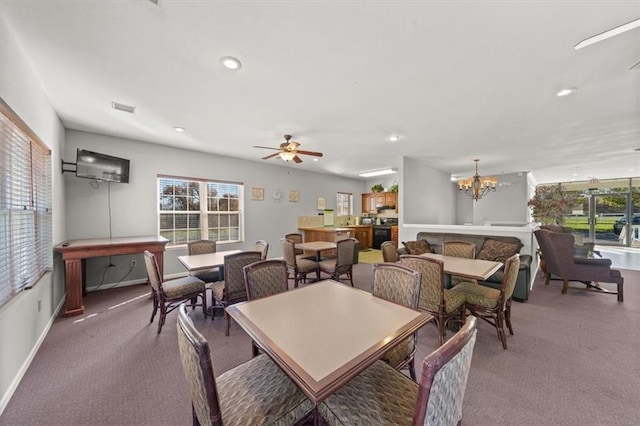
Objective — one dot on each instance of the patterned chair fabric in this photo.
(263, 247)
(232, 289)
(266, 278)
(256, 392)
(204, 247)
(296, 238)
(298, 267)
(168, 295)
(445, 305)
(401, 285)
(389, 252)
(492, 305)
(343, 263)
(381, 395)
(459, 249)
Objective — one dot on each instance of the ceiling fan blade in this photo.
(266, 147)
(315, 154)
(271, 156)
(297, 159)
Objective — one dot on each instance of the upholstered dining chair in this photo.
(399, 284)
(493, 305)
(255, 392)
(298, 267)
(232, 289)
(383, 396)
(560, 261)
(459, 249)
(343, 262)
(263, 247)
(296, 238)
(203, 247)
(168, 295)
(446, 305)
(265, 278)
(389, 252)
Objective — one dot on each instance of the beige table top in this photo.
(316, 245)
(196, 262)
(324, 334)
(470, 268)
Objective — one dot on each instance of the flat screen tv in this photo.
(93, 165)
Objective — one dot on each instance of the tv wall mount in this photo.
(66, 166)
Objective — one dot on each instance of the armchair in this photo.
(560, 260)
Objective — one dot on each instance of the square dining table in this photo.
(470, 268)
(199, 262)
(317, 247)
(324, 334)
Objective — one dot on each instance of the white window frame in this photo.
(224, 233)
(343, 198)
(26, 222)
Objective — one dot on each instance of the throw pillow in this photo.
(498, 251)
(417, 247)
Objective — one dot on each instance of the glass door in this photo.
(609, 213)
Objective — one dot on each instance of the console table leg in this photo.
(73, 279)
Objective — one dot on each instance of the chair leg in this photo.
(507, 317)
(228, 318)
(204, 304)
(547, 278)
(155, 306)
(620, 293)
(500, 327)
(163, 314)
(565, 286)
(412, 369)
(441, 330)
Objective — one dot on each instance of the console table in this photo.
(75, 253)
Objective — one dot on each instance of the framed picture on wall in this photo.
(294, 196)
(257, 194)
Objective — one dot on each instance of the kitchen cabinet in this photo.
(394, 235)
(364, 235)
(374, 201)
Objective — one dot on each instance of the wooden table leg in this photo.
(73, 280)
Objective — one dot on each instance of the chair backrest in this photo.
(266, 278)
(296, 238)
(557, 249)
(432, 284)
(389, 251)
(459, 249)
(263, 247)
(288, 252)
(196, 364)
(234, 274)
(511, 268)
(444, 379)
(345, 250)
(396, 283)
(201, 247)
(153, 272)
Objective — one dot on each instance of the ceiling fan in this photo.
(289, 151)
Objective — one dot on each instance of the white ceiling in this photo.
(455, 80)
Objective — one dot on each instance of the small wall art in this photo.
(294, 196)
(257, 194)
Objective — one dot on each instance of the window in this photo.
(344, 203)
(25, 206)
(194, 209)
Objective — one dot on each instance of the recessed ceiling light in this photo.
(394, 138)
(610, 33)
(178, 129)
(315, 159)
(575, 174)
(565, 92)
(230, 62)
(378, 173)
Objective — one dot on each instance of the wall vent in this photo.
(122, 107)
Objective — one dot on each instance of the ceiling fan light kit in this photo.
(289, 151)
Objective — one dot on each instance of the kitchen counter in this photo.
(362, 233)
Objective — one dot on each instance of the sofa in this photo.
(521, 291)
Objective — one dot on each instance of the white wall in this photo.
(134, 205)
(427, 195)
(22, 326)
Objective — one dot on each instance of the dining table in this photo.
(477, 269)
(201, 262)
(317, 247)
(323, 335)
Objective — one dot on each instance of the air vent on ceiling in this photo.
(122, 107)
(155, 2)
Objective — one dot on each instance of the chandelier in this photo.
(477, 186)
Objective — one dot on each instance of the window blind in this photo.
(25, 206)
